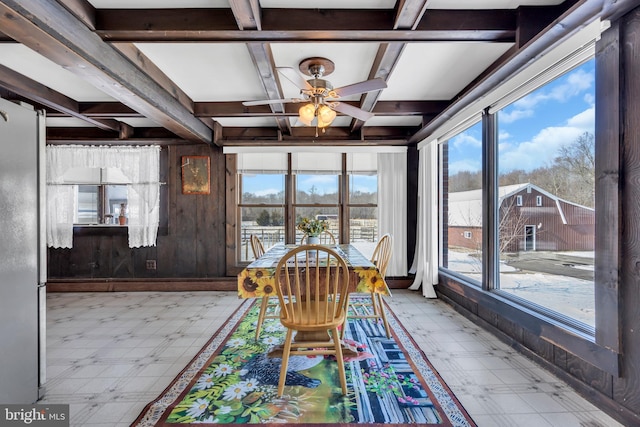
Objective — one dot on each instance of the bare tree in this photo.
(577, 161)
(511, 224)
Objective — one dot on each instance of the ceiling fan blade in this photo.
(271, 101)
(350, 110)
(294, 77)
(362, 87)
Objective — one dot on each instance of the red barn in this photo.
(530, 219)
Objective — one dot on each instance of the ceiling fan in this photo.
(320, 98)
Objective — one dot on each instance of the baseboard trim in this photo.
(166, 285)
(138, 285)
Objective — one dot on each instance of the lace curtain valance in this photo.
(141, 165)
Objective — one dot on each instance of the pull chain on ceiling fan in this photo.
(320, 98)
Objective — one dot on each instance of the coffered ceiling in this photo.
(138, 71)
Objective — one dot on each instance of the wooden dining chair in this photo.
(267, 305)
(326, 238)
(312, 286)
(363, 309)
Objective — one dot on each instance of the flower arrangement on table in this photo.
(312, 227)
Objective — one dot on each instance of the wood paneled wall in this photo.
(191, 240)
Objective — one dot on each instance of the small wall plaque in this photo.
(196, 175)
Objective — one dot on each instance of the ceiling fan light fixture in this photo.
(325, 116)
(307, 113)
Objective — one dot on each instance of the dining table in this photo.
(258, 278)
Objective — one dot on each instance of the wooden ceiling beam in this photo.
(47, 97)
(80, 135)
(236, 109)
(300, 25)
(247, 15)
(234, 136)
(51, 30)
(140, 60)
(81, 9)
(386, 108)
(408, 15)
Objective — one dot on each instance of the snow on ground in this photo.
(566, 295)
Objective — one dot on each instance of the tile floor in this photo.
(109, 354)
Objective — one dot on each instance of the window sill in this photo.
(97, 225)
(100, 230)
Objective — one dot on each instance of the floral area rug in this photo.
(233, 380)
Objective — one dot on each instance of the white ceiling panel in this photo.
(66, 122)
(137, 122)
(35, 66)
(438, 71)
(208, 71)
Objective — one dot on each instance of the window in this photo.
(546, 146)
(363, 197)
(463, 206)
(100, 194)
(91, 185)
(261, 208)
(321, 187)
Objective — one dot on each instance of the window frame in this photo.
(233, 206)
(100, 206)
(599, 346)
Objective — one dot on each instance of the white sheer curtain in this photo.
(141, 165)
(392, 207)
(425, 260)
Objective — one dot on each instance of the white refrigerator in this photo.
(23, 268)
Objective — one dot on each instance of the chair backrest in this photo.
(256, 246)
(326, 238)
(382, 254)
(312, 285)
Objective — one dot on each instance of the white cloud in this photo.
(513, 115)
(584, 120)
(503, 135)
(464, 139)
(576, 82)
(324, 184)
(543, 148)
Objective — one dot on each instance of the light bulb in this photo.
(325, 116)
(307, 113)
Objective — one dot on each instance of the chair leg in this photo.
(285, 361)
(263, 311)
(340, 360)
(383, 316)
(346, 319)
(374, 304)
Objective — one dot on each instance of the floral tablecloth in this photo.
(258, 279)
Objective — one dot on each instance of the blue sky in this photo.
(324, 184)
(533, 128)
